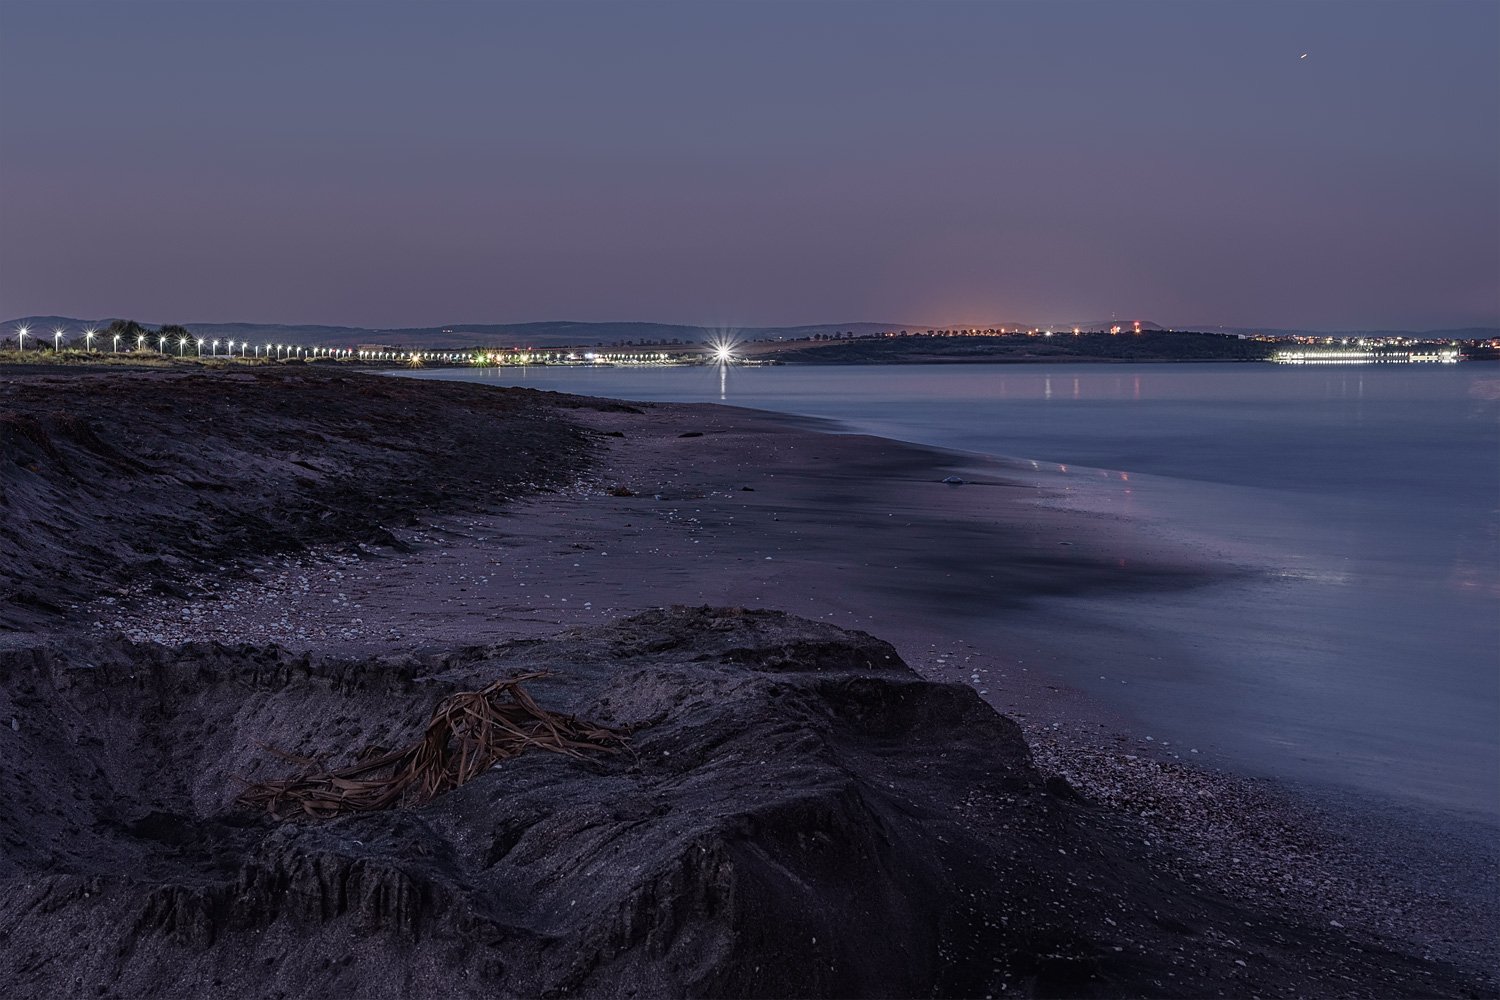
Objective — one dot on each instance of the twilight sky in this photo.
(727, 164)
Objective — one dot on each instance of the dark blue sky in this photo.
(757, 163)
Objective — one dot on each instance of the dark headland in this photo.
(205, 574)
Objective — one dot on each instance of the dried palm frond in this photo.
(467, 734)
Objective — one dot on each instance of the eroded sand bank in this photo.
(651, 506)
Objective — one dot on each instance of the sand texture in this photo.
(799, 815)
(886, 801)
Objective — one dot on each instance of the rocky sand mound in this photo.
(112, 481)
(798, 814)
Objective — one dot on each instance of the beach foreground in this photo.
(804, 809)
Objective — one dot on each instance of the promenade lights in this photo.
(199, 344)
(57, 340)
(21, 332)
(88, 339)
(181, 343)
(215, 352)
(161, 345)
(140, 340)
(117, 343)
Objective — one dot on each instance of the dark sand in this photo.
(752, 511)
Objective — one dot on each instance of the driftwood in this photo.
(467, 734)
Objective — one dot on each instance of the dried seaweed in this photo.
(468, 733)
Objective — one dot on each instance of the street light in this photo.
(21, 332)
(215, 353)
(88, 339)
(117, 343)
(57, 340)
(140, 340)
(181, 343)
(199, 344)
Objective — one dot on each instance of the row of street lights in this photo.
(279, 351)
(721, 351)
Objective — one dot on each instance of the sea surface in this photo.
(1361, 651)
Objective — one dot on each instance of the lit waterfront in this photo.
(124, 339)
(1366, 356)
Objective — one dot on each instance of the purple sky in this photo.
(743, 164)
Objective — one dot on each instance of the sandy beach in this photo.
(349, 518)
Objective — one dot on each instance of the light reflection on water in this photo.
(1370, 654)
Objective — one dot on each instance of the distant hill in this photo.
(1148, 345)
(1453, 333)
(564, 333)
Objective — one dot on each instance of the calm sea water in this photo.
(1365, 652)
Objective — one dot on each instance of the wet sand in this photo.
(763, 511)
(705, 505)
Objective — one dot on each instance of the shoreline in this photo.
(1333, 561)
(710, 523)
